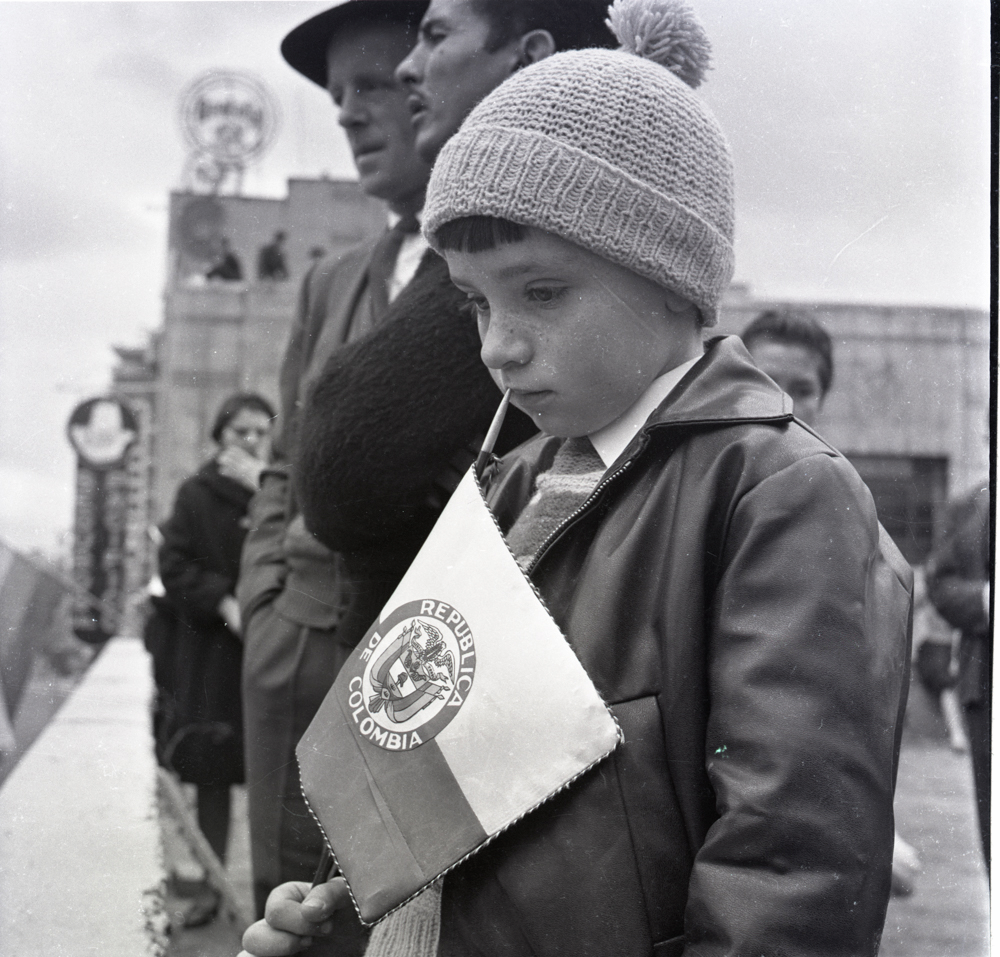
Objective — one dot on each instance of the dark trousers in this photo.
(977, 722)
(287, 670)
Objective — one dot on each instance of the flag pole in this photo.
(491, 435)
(322, 874)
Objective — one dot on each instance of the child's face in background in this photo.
(576, 338)
(795, 370)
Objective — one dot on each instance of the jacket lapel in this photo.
(342, 304)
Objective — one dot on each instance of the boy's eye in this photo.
(477, 306)
(545, 294)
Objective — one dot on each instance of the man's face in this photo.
(795, 369)
(373, 112)
(449, 71)
(577, 338)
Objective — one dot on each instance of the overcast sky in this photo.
(860, 130)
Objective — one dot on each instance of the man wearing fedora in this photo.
(385, 342)
(291, 587)
(304, 605)
(397, 380)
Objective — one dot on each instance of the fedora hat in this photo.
(305, 47)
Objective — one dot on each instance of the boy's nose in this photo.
(503, 346)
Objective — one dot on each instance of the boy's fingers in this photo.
(262, 940)
(290, 912)
(324, 899)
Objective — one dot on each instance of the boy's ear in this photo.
(679, 306)
(535, 46)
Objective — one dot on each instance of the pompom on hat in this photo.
(611, 150)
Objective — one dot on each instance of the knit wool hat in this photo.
(610, 150)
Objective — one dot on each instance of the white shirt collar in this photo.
(411, 252)
(611, 440)
(395, 217)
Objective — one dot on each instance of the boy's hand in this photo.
(294, 914)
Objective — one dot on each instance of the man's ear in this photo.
(535, 46)
(678, 305)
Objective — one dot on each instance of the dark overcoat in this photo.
(958, 569)
(200, 726)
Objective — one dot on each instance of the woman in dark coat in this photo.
(200, 725)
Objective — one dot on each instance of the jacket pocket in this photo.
(662, 855)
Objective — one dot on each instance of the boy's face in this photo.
(795, 369)
(576, 338)
(450, 70)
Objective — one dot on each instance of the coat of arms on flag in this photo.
(462, 710)
(412, 675)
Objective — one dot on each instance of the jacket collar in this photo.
(723, 386)
(611, 440)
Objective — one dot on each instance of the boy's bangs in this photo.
(477, 234)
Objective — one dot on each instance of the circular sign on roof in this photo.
(228, 115)
(101, 430)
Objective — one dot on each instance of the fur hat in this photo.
(610, 150)
(305, 46)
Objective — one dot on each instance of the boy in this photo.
(717, 568)
(796, 352)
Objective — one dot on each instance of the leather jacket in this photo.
(734, 599)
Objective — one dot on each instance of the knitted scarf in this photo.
(559, 492)
(412, 931)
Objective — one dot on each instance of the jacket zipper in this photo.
(603, 484)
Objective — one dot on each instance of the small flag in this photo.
(29, 598)
(462, 709)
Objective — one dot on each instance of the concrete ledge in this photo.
(81, 865)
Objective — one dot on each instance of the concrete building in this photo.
(220, 337)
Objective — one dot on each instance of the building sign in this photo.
(101, 430)
(228, 119)
(103, 433)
